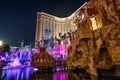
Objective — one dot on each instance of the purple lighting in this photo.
(17, 74)
(60, 76)
(16, 57)
(15, 63)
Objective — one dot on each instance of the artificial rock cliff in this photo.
(99, 48)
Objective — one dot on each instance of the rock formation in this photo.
(99, 46)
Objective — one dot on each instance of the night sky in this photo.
(18, 17)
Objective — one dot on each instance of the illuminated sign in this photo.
(63, 48)
(65, 41)
(47, 30)
(57, 49)
(65, 44)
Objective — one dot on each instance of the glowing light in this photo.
(94, 24)
(1, 43)
(57, 49)
(16, 63)
(60, 19)
(66, 18)
(71, 16)
(35, 69)
(60, 76)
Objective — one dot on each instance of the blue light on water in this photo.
(8, 75)
(30, 73)
(27, 74)
(17, 74)
(3, 73)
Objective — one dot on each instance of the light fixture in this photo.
(1, 43)
(94, 24)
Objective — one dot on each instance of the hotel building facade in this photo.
(49, 26)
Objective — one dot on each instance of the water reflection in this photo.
(38, 75)
(60, 76)
(29, 73)
(17, 74)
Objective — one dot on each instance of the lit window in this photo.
(94, 23)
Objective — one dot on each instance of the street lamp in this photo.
(1, 43)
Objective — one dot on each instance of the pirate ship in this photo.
(42, 60)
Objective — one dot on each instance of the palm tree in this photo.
(76, 22)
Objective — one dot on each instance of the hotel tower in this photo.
(50, 27)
